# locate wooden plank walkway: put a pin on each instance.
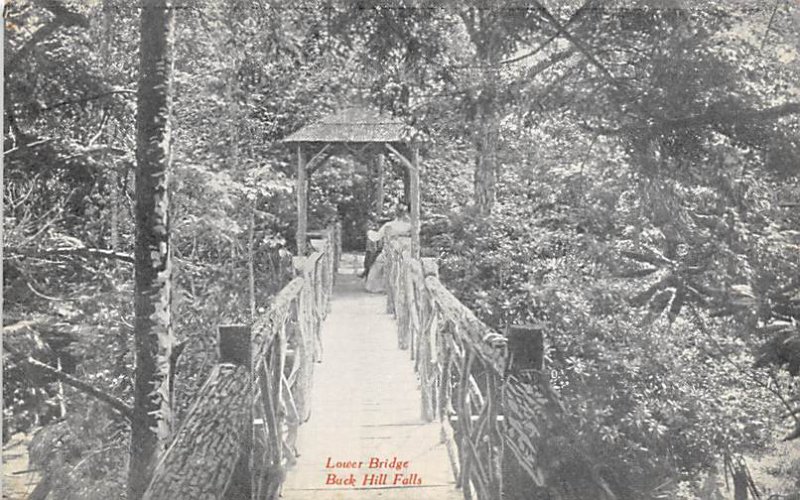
(366, 410)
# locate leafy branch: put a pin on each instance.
(774, 390)
(723, 118)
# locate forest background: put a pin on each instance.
(624, 174)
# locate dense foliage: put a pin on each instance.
(623, 174)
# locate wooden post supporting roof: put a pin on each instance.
(379, 185)
(414, 192)
(302, 202)
(412, 169)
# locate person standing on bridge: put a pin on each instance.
(399, 226)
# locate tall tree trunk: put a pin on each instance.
(485, 176)
(154, 339)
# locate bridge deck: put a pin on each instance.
(365, 407)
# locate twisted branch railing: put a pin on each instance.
(490, 408)
(239, 435)
(460, 363)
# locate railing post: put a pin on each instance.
(219, 419)
(389, 270)
(403, 303)
(337, 246)
(233, 344)
(303, 306)
(427, 358)
(319, 302)
(234, 347)
(302, 353)
(527, 344)
(329, 257)
(520, 471)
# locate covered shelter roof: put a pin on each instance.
(363, 132)
(355, 125)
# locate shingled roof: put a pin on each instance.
(355, 124)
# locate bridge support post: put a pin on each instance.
(337, 247)
(302, 202)
(526, 346)
(301, 314)
(426, 360)
(521, 480)
(234, 346)
(379, 188)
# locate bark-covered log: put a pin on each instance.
(213, 452)
(201, 460)
(264, 328)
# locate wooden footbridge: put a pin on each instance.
(337, 393)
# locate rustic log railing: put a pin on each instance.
(490, 408)
(239, 435)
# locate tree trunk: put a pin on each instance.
(485, 177)
(488, 130)
(740, 483)
(154, 338)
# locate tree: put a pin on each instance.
(154, 338)
(639, 216)
(495, 33)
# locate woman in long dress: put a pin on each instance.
(399, 226)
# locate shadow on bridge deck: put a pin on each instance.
(365, 407)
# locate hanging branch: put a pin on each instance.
(81, 252)
(94, 97)
(63, 18)
(30, 145)
(117, 404)
(561, 29)
(578, 13)
(715, 117)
